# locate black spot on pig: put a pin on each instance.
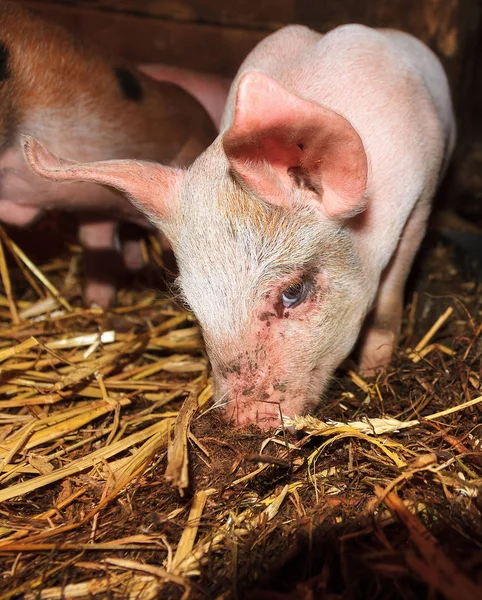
(129, 85)
(248, 391)
(4, 64)
(232, 368)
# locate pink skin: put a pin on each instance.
(330, 152)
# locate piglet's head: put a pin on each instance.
(258, 224)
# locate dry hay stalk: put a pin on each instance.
(97, 404)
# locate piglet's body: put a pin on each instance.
(304, 216)
(86, 107)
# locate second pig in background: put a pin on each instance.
(90, 107)
(298, 226)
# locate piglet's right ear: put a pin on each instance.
(148, 185)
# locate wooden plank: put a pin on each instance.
(242, 13)
(467, 87)
(143, 39)
(436, 22)
(448, 26)
(433, 21)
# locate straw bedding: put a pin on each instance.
(118, 481)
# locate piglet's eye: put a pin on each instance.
(294, 293)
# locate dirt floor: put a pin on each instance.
(118, 481)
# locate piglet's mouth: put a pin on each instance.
(271, 410)
(264, 414)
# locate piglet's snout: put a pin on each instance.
(254, 399)
(266, 413)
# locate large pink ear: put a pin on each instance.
(278, 140)
(148, 185)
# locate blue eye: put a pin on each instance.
(294, 293)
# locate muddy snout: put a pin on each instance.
(248, 394)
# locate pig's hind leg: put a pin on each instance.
(382, 325)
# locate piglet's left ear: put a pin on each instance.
(278, 140)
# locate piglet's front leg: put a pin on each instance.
(383, 324)
(102, 259)
(381, 330)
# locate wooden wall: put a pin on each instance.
(215, 35)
